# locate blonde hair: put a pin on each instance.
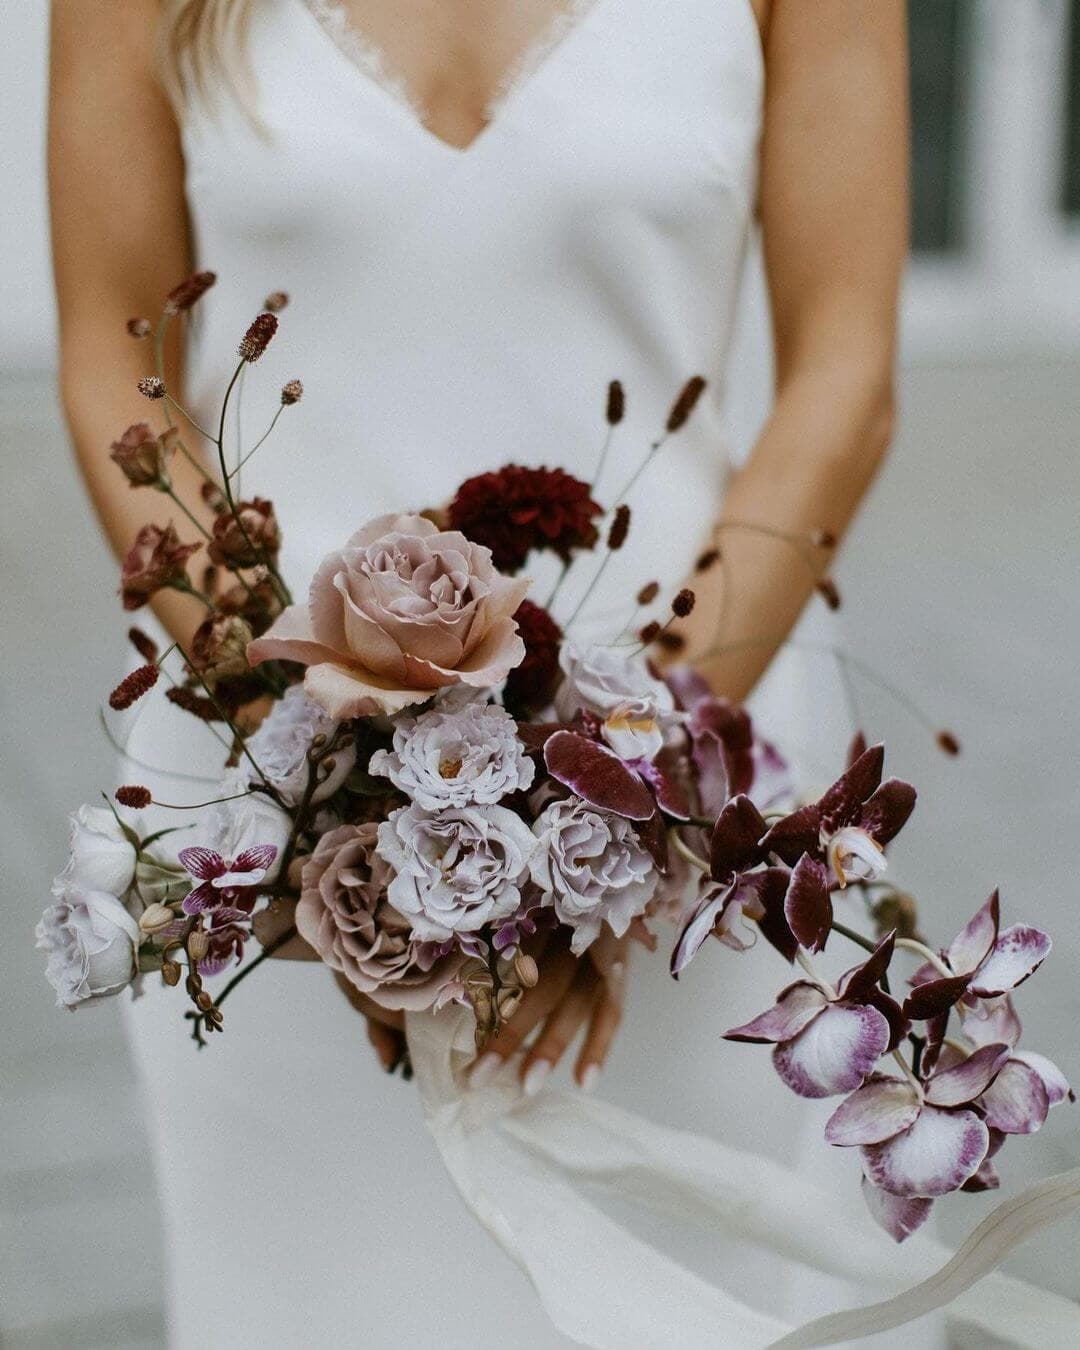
(203, 52)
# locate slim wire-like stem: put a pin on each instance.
(177, 500)
(258, 443)
(172, 402)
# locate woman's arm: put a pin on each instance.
(834, 209)
(120, 242)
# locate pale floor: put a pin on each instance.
(961, 584)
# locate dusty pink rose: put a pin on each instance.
(402, 610)
(343, 912)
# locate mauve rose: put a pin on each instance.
(345, 915)
(156, 559)
(143, 457)
(402, 610)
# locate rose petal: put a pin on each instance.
(875, 1112)
(962, 1083)
(835, 1052)
(347, 691)
(796, 1007)
(597, 775)
(736, 838)
(899, 1217)
(1053, 1080)
(1018, 952)
(290, 638)
(932, 1157)
(807, 906)
(974, 942)
(1017, 1101)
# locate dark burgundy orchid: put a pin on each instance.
(837, 839)
(635, 789)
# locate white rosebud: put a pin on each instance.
(102, 858)
(92, 943)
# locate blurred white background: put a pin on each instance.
(960, 579)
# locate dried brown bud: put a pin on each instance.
(648, 593)
(203, 1000)
(190, 291)
(134, 795)
(649, 632)
(155, 560)
(197, 704)
(198, 944)
(171, 972)
(527, 971)
(276, 301)
(219, 647)
(508, 1002)
(258, 337)
(948, 742)
(684, 603)
(671, 642)
(896, 910)
(292, 393)
(823, 539)
(616, 403)
(829, 592)
(152, 386)
(139, 328)
(143, 644)
(708, 559)
(156, 918)
(143, 458)
(620, 528)
(247, 538)
(685, 404)
(132, 687)
(213, 497)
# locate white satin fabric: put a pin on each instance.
(453, 310)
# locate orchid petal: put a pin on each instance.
(203, 863)
(862, 980)
(669, 794)
(736, 838)
(842, 803)
(973, 943)
(932, 1157)
(252, 859)
(597, 775)
(1053, 1080)
(795, 835)
(875, 1112)
(1017, 1101)
(771, 886)
(795, 1009)
(202, 897)
(886, 813)
(932, 997)
(807, 906)
(835, 1052)
(899, 1217)
(986, 1022)
(698, 925)
(962, 1083)
(1018, 952)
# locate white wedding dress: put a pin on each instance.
(453, 310)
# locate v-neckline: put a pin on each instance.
(368, 63)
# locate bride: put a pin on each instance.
(483, 211)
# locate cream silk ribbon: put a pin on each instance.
(533, 1169)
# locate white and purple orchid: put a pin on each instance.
(838, 839)
(826, 1040)
(225, 883)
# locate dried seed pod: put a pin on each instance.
(683, 604)
(649, 632)
(189, 292)
(258, 337)
(620, 528)
(508, 1002)
(155, 918)
(648, 593)
(708, 559)
(276, 301)
(143, 644)
(170, 973)
(203, 1001)
(527, 971)
(139, 328)
(828, 591)
(686, 402)
(948, 742)
(198, 944)
(291, 393)
(616, 403)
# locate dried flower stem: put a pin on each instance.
(902, 1062)
(159, 364)
(921, 949)
(687, 852)
(174, 403)
(239, 977)
(258, 443)
(172, 493)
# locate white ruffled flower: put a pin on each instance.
(594, 869)
(92, 944)
(602, 681)
(459, 753)
(456, 869)
(281, 744)
(101, 857)
(232, 827)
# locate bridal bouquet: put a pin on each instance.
(440, 777)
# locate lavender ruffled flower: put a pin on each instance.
(281, 744)
(456, 869)
(91, 941)
(461, 752)
(593, 867)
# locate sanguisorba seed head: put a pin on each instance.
(292, 393)
(648, 593)
(616, 403)
(134, 795)
(684, 602)
(132, 687)
(258, 337)
(189, 292)
(685, 404)
(152, 386)
(620, 528)
(139, 328)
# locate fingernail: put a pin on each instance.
(589, 1077)
(534, 1078)
(485, 1069)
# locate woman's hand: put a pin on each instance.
(385, 1029)
(573, 993)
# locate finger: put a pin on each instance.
(561, 1028)
(366, 1008)
(388, 1044)
(533, 1009)
(606, 1017)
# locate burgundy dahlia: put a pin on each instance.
(531, 685)
(517, 510)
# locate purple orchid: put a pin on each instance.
(838, 839)
(738, 892)
(985, 962)
(828, 1041)
(635, 789)
(1027, 1085)
(223, 884)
